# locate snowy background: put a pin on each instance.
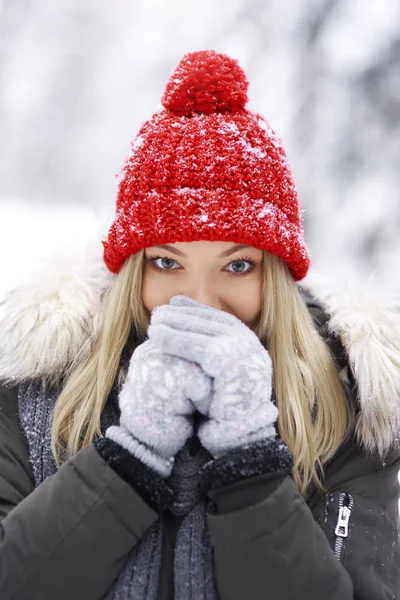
(77, 78)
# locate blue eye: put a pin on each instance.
(167, 263)
(242, 263)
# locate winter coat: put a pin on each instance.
(68, 538)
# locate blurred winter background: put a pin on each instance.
(78, 77)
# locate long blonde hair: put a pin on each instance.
(315, 414)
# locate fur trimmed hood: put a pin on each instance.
(46, 320)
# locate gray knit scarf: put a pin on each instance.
(138, 579)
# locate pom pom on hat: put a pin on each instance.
(206, 82)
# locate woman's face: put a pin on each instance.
(224, 275)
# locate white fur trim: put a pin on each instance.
(366, 318)
(46, 320)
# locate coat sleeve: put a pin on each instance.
(69, 537)
(270, 544)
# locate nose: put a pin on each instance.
(204, 294)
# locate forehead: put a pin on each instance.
(203, 247)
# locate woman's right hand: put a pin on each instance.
(156, 406)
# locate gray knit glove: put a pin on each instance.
(156, 406)
(241, 410)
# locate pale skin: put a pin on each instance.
(197, 270)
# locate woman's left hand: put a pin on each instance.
(241, 410)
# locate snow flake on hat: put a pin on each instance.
(267, 210)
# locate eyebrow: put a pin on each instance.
(225, 253)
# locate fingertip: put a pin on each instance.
(181, 300)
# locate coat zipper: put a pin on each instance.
(346, 505)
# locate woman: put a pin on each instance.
(183, 419)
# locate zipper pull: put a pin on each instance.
(342, 525)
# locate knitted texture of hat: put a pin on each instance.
(206, 168)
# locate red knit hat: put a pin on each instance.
(205, 168)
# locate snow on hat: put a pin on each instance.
(205, 168)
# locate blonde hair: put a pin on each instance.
(315, 414)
